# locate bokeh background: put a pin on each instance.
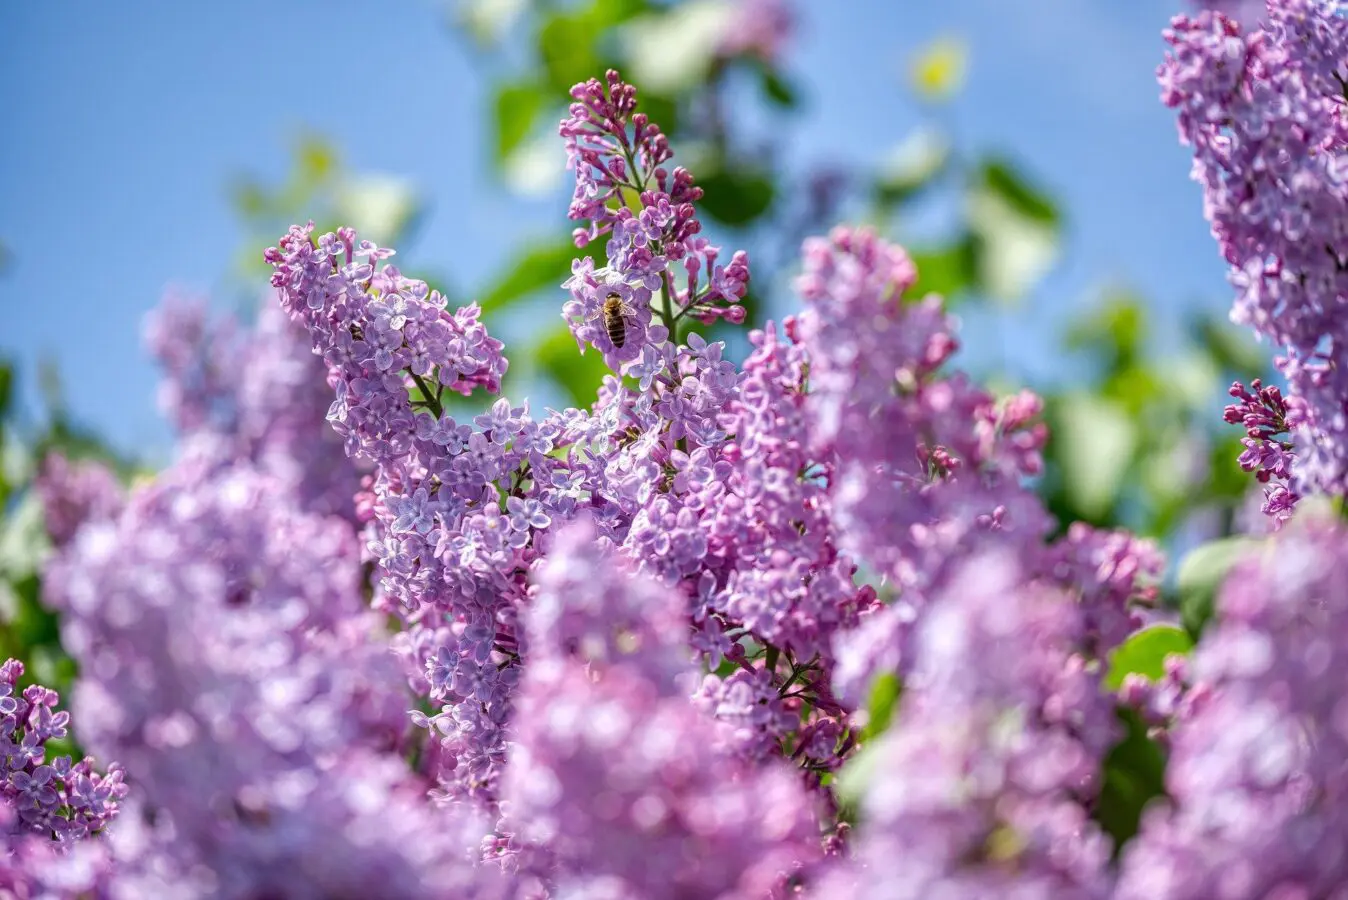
(1019, 150)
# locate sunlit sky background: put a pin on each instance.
(124, 121)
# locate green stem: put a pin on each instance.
(432, 400)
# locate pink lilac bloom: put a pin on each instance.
(1259, 757)
(1263, 112)
(980, 788)
(53, 796)
(250, 694)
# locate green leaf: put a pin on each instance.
(516, 107)
(536, 268)
(912, 166)
(1093, 441)
(566, 49)
(1145, 653)
(579, 375)
(1133, 776)
(1231, 348)
(884, 698)
(948, 271)
(1202, 572)
(6, 386)
(382, 207)
(672, 50)
(737, 196)
(1016, 230)
(856, 775)
(776, 88)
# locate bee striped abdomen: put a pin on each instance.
(615, 319)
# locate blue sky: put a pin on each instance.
(124, 122)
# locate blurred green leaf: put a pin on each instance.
(1201, 573)
(948, 271)
(516, 106)
(1016, 229)
(1114, 331)
(1093, 441)
(6, 386)
(382, 207)
(855, 776)
(315, 158)
(23, 539)
(1145, 652)
(579, 375)
(1134, 775)
(737, 196)
(775, 86)
(913, 165)
(884, 698)
(672, 50)
(249, 199)
(534, 269)
(566, 49)
(1232, 348)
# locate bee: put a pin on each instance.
(615, 313)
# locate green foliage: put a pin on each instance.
(540, 266)
(1201, 574)
(884, 699)
(737, 194)
(579, 376)
(1016, 228)
(1096, 440)
(1145, 653)
(1133, 776)
(516, 106)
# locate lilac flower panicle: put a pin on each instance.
(73, 492)
(248, 692)
(1268, 417)
(979, 787)
(1263, 112)
(1257, 767)
(54, 798)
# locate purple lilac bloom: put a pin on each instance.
(1268, 418)
(615, 772)
(251, 697)
(979, 788)
(73, 492)
(55, 798)
(1259, 761)
(253, 393)
(659, 266)
(1263, 112)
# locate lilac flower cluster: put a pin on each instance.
(1259, 764)
(249, 692)
(58, 798)
(1263, 112)
(253, 394)
(614, 771)
(627, 650)
(1267, 417)
(981, 788)
(73, 492)
(658, 262)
